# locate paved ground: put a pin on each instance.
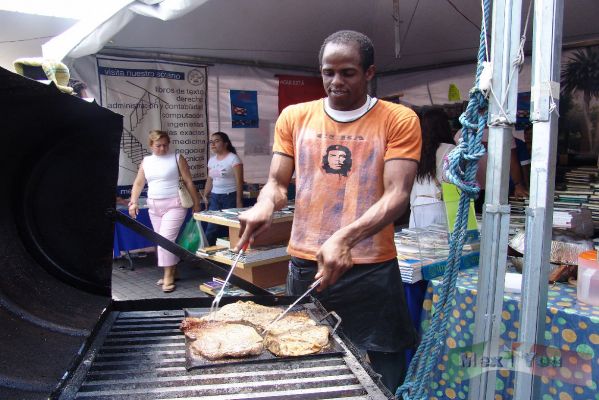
(140, 283)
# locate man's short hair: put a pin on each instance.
(364, 43)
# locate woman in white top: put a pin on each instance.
(224, 186)
(162, 170)
(425, 199)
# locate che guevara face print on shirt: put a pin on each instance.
(337, 160)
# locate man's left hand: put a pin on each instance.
(334, 259)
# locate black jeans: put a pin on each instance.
(370, 300)
(391, 366)
(219, 202)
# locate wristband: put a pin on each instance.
(132, 204)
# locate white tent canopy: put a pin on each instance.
(268, 37)
(289, 32)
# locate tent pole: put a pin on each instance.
(496, 213)
(546, 63)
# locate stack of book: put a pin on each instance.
(210, 250)
(578, 187)
(564, 217)
(223, 242)
(575, 189)
(255, 254)
(213, 286)
(517, 214)
(231, 215)
(422, 253)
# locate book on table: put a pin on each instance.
(422, 253)
(210, 250)
(212, 287)
(255, 254)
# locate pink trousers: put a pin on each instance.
(167, 216)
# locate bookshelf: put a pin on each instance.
(266, 262)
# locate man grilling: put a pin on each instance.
(343, 224)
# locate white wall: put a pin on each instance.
(222, 79)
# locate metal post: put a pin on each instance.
(493, 252)
(546, 63)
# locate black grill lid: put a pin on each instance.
(59, 171)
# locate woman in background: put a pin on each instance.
(224, 186)
(426, 197)
(162, 170)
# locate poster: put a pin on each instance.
(244, 109)
(156, 95)
(295, 89)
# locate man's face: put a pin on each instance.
(343, 78)
(336, 159)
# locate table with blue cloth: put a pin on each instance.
(126, 240)
(566, 362)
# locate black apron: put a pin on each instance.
(370, 300)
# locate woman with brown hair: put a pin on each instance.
(425, 198)
(224, 186)
(162, 170)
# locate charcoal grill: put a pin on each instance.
(61, 335)
(142, 356)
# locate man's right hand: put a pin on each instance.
(253, 222)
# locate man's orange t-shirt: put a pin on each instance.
(339, 171)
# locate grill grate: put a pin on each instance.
(142, 356)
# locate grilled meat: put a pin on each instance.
(217, 340)
(235, 331)
(189, 325)
(247, 313)
(296, 335)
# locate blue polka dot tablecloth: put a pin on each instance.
(566, 362)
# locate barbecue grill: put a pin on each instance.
(62, 336)
(141, 355)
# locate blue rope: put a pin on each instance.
(460, 165)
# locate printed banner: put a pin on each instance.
(298, 89)
(156, 95)
(244, 109)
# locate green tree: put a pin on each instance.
(581, 73)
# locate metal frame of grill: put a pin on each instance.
(141, 355)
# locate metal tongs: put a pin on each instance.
(280, 317)
(221, 292)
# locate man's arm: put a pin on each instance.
(273, 197)
(334, 256)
